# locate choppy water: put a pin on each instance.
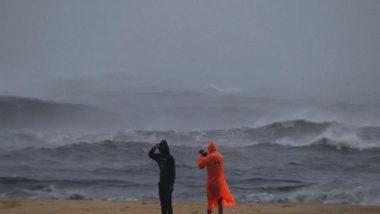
(293, 161)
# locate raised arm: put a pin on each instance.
(153, 155)
(202, 161)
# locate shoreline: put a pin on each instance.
(180, 207)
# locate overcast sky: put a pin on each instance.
(297, 45)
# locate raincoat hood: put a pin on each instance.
(164, 148)
(211, 147)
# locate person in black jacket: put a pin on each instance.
(166, 163)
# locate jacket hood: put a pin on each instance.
(211, 146)
(164, 148)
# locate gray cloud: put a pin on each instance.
(298, 47)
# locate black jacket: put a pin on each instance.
(166, 163)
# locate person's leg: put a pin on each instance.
(169, 201)
(161, 193)
(209, 211)
(220, 206)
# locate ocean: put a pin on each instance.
(287, 161)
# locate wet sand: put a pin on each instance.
(146, 207)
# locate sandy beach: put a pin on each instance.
(145, 207)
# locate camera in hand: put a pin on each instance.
(203, 153)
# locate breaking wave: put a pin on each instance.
(289, 133)
(291, 161)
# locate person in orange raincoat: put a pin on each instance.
(218, 193)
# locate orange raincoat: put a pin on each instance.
(217, 188)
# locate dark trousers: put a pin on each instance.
(165, 193)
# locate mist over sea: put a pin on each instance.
(94, 145)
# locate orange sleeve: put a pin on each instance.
(202, 161)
